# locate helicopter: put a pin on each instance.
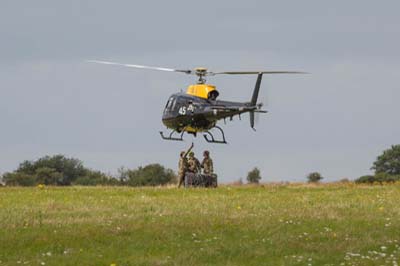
(198, 110)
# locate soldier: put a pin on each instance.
(183, 165)
(207, 164)
(193, 164)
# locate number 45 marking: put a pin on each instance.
(182, 110)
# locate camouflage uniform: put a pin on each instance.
(207, 165)
(193, 165)
(208, 170)
(183, 166)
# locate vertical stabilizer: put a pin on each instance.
(256, 90)
(254, 98)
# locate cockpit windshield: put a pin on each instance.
(169, 103)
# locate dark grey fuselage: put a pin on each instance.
(184, 112)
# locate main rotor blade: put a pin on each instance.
(203, 72)
(188, 71)
(258, 72)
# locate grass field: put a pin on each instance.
(334, 224)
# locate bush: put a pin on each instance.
(48, 176)
(314, 177)
(150, 175)
(366, 179)
(386, 178)
(378, 178)
(19, 179)
(254, 176)
(69, 169)
(59, 170)
(94, 178)
(55, 170)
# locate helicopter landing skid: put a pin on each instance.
(212, 139)
(170, 137)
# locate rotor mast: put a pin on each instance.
(201, 72)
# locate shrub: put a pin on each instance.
(378, 178)
(94, 178)
(59, 170)
(150, 175)
(48, 176)
(386, 178)
(87, 181)
(69, 168)
(314, 177)
(19, 179)
(366, 179)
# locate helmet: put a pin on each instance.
(191, 154)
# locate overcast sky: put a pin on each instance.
(335, 121)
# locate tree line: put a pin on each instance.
(386, 168)
(59, 170)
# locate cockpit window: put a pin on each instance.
(169, 103)
(173, 104)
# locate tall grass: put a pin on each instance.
(278, 224)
